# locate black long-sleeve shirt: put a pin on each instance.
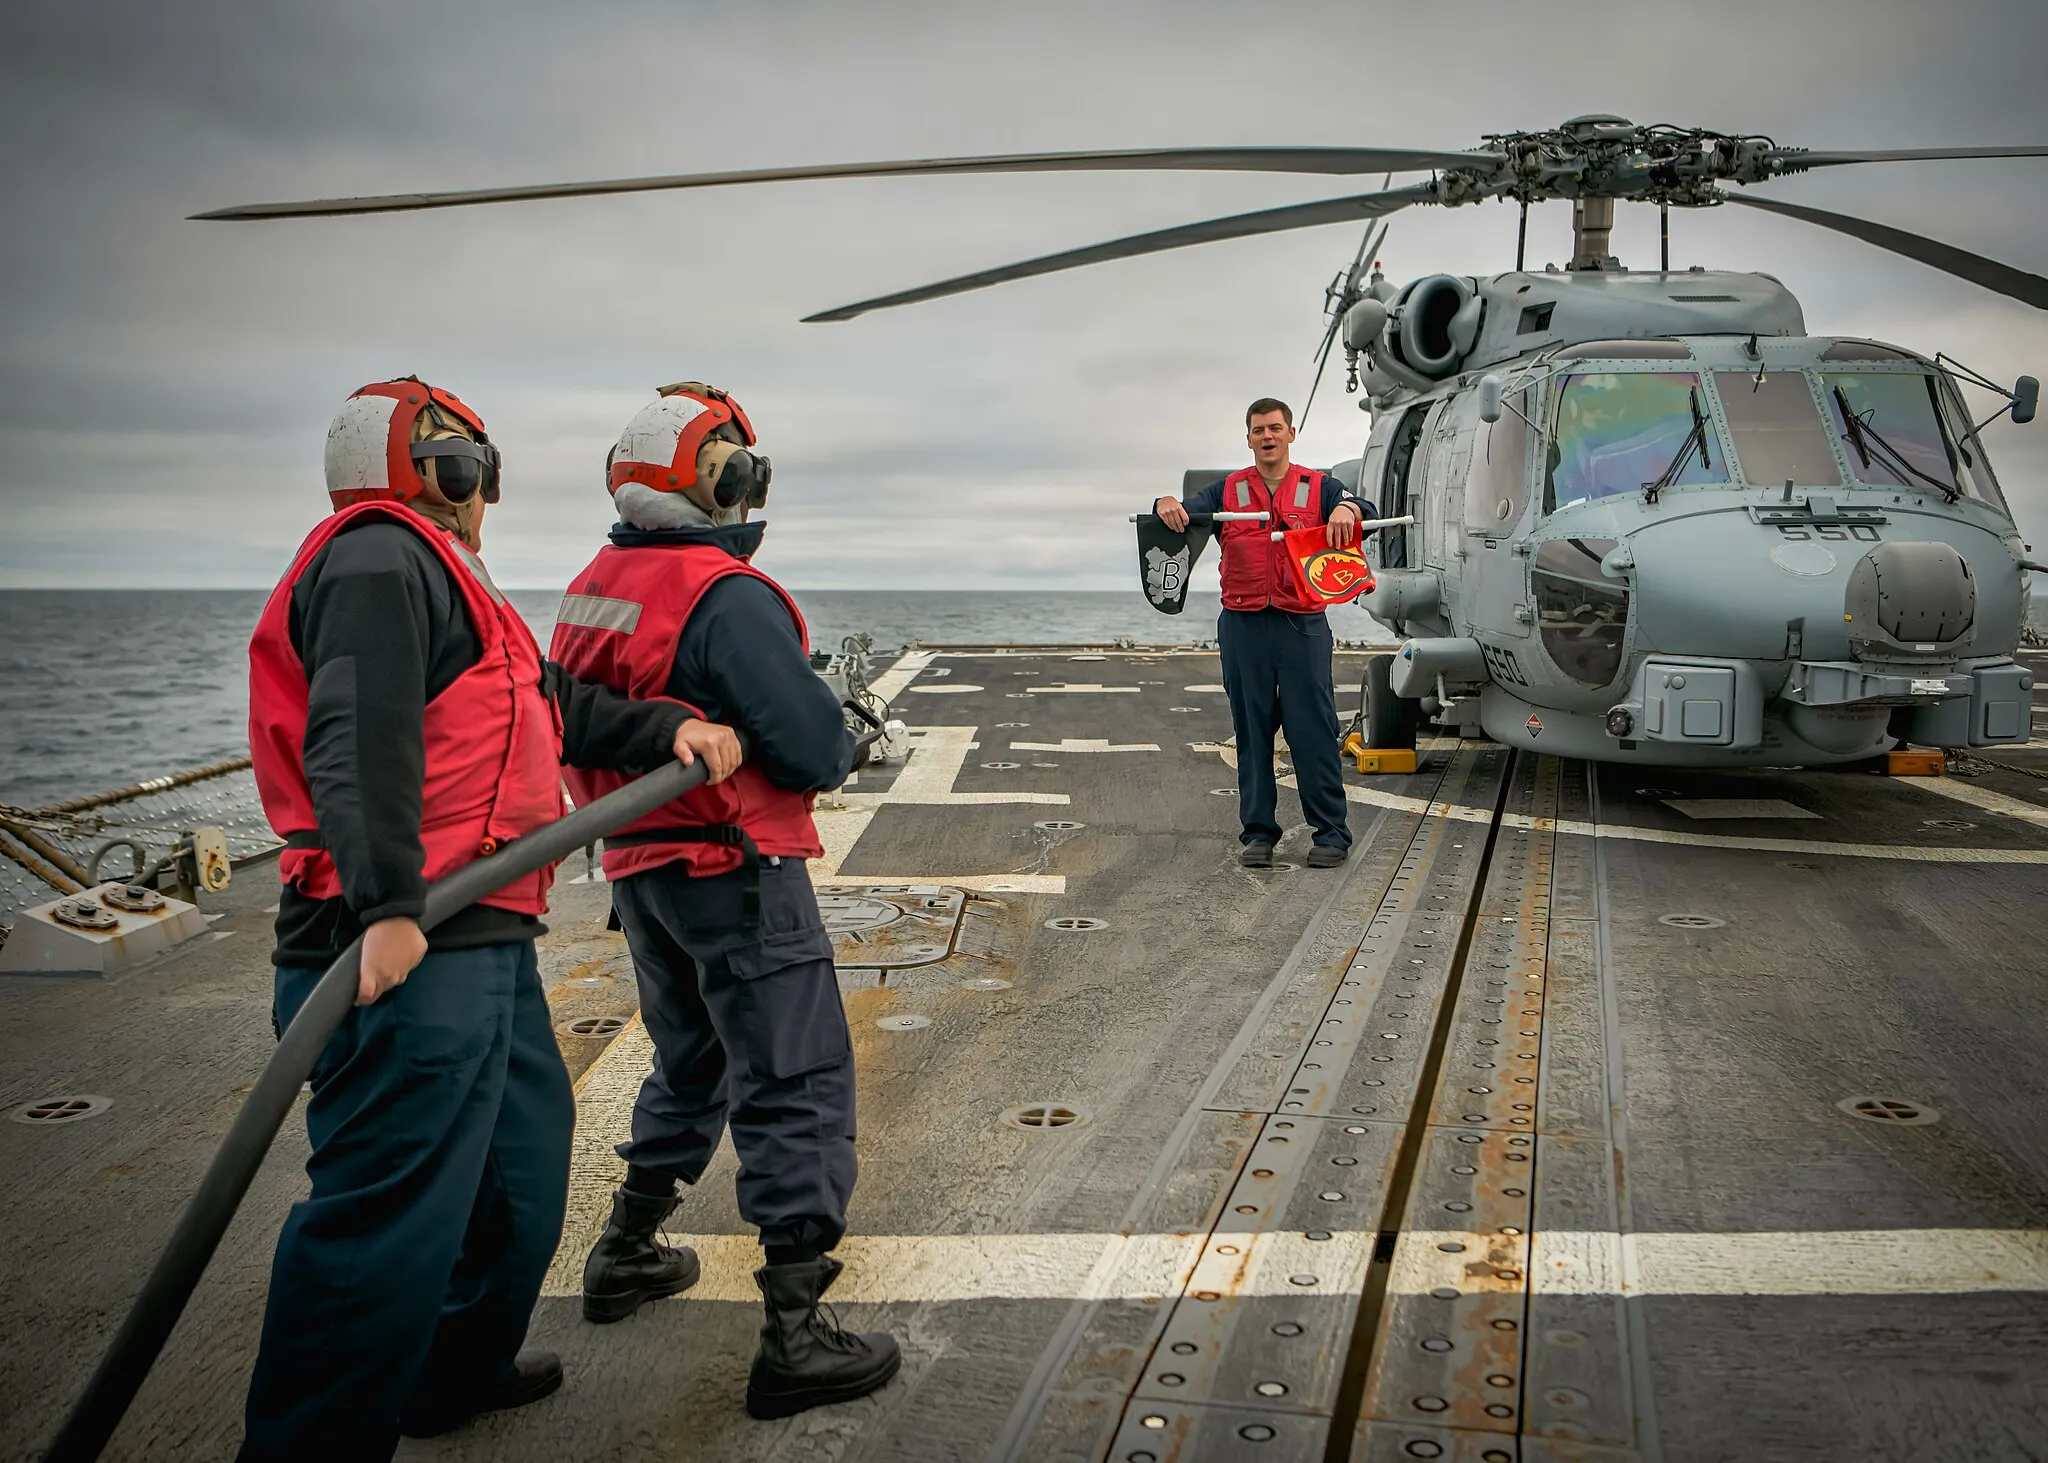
(739, 661)
(382, 629)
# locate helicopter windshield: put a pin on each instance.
(1620, 432)
(1891, 424)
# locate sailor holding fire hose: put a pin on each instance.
(737, 986)
(403, 724)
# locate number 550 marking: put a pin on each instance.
(1833, 532)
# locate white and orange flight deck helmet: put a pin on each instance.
(691, 446)
(392, 440)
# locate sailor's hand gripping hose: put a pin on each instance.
(170, 1284)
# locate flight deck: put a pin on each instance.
(1587, 1113)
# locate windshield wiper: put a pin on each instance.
(1862, 435)
(1695, 439)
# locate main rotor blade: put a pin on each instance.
(1801, 160)
(1236, 226)
(1340, 160)
(2030, 289)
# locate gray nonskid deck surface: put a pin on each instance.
(1548, 1017)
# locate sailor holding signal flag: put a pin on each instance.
(403, 724)
(1275, 639)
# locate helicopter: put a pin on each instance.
(1654, 520)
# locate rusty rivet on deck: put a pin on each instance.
(1500, 1379)
(1262, 1173)
(1257, 1432)
(1436, 1343)
(1500, 1409)
(1458, 1206)
(1154, 1421)
(1247, 1208)
(1424, 1448)
(1271, 1389)
(1496, 1455)
(1315, 1234)
(1287, 1328)
(1344, 1162)
(1451, 1247)
(1354, 1127)
(1171, 1379)
(1301, 1280)
(1431, 1404)
(1503, 1325)
(1514, 1193)
(1463, 1168)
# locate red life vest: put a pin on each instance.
(618, 625)
(493, 737)
(1255, 572)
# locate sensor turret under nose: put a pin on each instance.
(1910, 599)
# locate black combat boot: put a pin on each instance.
(629, 1265)
(805, 1360)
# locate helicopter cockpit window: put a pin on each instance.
(1581, 612)
(1891, 424)
(1777, 431)
(1499, 484)
(1621, 432)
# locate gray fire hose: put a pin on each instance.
(170, 1284)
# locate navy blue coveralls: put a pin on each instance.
(747, 1023)
(1276, 672)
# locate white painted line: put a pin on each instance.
(952, 1268)
(1217, 689)
(937, 753)
(951, 688)
(1577, 828)
(1084, 744)
(1083, 688)
(982, 883)
(1843, 1262)
(1737, 808)
(1980, 797)
(890, 683)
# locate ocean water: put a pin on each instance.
(101, 688)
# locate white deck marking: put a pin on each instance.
(1737, 808)
(1980, 797)
(1373, 797)
(890, 683)
(1842, 1262)
(1084, 744)
(940, 1268)
(937, 754)
(1217, 689)
(1081, 688)
(951, 688)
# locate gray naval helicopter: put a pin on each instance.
(1655, 520)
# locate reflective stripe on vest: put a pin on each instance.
(598, 613)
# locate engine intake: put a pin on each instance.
(1434, 324)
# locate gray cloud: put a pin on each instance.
(164, 385)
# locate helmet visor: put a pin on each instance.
(459, 469)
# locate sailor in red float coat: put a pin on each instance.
(737, 985)
(402, 723)
(1276, 647)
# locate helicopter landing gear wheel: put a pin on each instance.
(1386, 720)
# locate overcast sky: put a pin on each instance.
(167, 384)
